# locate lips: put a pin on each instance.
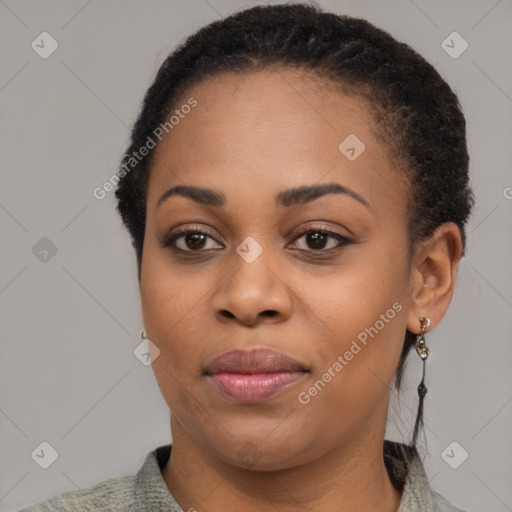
(253, 361)
(255, 375)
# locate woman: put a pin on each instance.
(296, 189)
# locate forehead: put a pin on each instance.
(264, 131)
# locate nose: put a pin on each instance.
(252, 293)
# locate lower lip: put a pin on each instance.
(254, 387)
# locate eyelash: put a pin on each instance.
(170, 239)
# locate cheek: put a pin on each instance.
(350, 298)
(168, 291)
(364, 312)
(174, 303)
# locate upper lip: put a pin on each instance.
(253, 361)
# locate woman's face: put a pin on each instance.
(253, 278)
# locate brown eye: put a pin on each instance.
(191, 240)
(317, 239)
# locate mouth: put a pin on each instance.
(255, 375)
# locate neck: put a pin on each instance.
(353, 476)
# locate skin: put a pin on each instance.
(250, 137)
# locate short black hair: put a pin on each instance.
(417, 114)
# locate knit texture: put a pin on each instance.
(148, 492)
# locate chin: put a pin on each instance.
(260, 453)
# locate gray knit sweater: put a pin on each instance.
(148, 492)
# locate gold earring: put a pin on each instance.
(143, 335)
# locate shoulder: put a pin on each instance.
(406, 470)
(146, 491)
(442, 504)
(114, 495)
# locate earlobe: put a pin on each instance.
(434, 271)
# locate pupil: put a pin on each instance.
(317, 238)
(197, 240)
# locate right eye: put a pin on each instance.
(189, 240)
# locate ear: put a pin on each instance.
(433, 273)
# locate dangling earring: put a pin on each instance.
(423, 352)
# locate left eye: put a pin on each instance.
(316, 239)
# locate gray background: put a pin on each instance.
(69, 325)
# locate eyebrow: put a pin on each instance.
(286, 198)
